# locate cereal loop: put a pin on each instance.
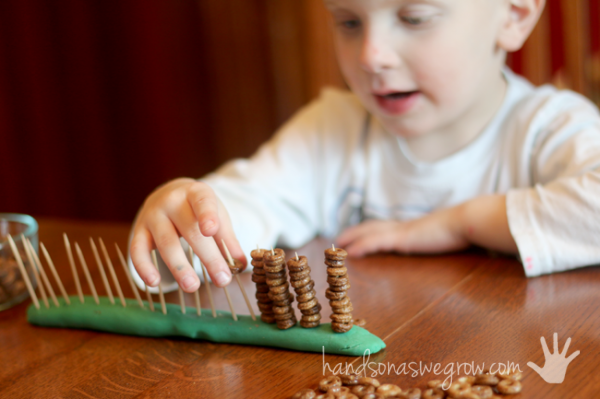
(314, 310)
(467, 379)
(325, 396)
(434, 394)
(341, 318)
(482, 391)
(308, 287)
(335, 254)
(362, 390)
(389, 390)
(413, 393)
(487, 379)
(349, 379)
(308, 305)
(305, 394)
(459, 389)
(338, 391)
(341, 327)
(332, 381)
(509, 387)
(369, 381)
(237, 267)
(334, 296)
(517, 376)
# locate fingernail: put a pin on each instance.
(222, 278)
(208, 225)
(188, 282)
(153, 280)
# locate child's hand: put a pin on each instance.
(480, 221)
(188, 208)
(436, 232)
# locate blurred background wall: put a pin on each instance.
(102, 101)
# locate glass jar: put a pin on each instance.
(12, 285)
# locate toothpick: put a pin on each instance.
(160, 291)
(111, 269)
(237, 277)
(38, 279)
(233, 315)
(297, 258)
(129, 278)
(43, 274)
(55, 274)
(86, 271)
(102, 272)
(13, 246)
(73, 268)
(333, 246)
(272, 251)
(149, 298)
(210, 297)
(227, 253)
(197, 292)
(181, 299)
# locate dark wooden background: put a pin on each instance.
(102, 101)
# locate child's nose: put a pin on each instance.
(378, 55)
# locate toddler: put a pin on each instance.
(438, 147)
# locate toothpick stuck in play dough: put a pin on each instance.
(86, 271)
(208, 289)
(197, 292)
(129, 278)
(231, 263)
(111, 270)
(73, 268)
(55, 274)
(161, 296)
(36, 259)
(102, 272)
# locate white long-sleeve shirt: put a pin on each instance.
(332, 166)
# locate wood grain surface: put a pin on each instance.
(453, 309)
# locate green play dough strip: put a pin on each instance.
(132, 320)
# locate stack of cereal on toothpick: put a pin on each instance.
(274, 265)
(305, 293)
(337, 277)
(265, 304)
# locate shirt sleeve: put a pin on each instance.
(555, 217)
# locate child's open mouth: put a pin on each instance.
(397, 102)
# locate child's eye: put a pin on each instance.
(414, 20)
(419, 16)
(350, 24)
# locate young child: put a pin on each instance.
(438, 147)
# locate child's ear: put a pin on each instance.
(521, 18)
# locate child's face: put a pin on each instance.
(422, 66)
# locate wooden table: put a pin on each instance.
(462, 308)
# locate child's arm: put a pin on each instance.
(191, 209)
(481, 221)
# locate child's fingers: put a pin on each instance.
(227, 234)
(205, 206)
(141, 245)
(204, 247)
(167, 242)
(368, 244)
(355, 232)
(210, 255)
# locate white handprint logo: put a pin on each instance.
(556, 365)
